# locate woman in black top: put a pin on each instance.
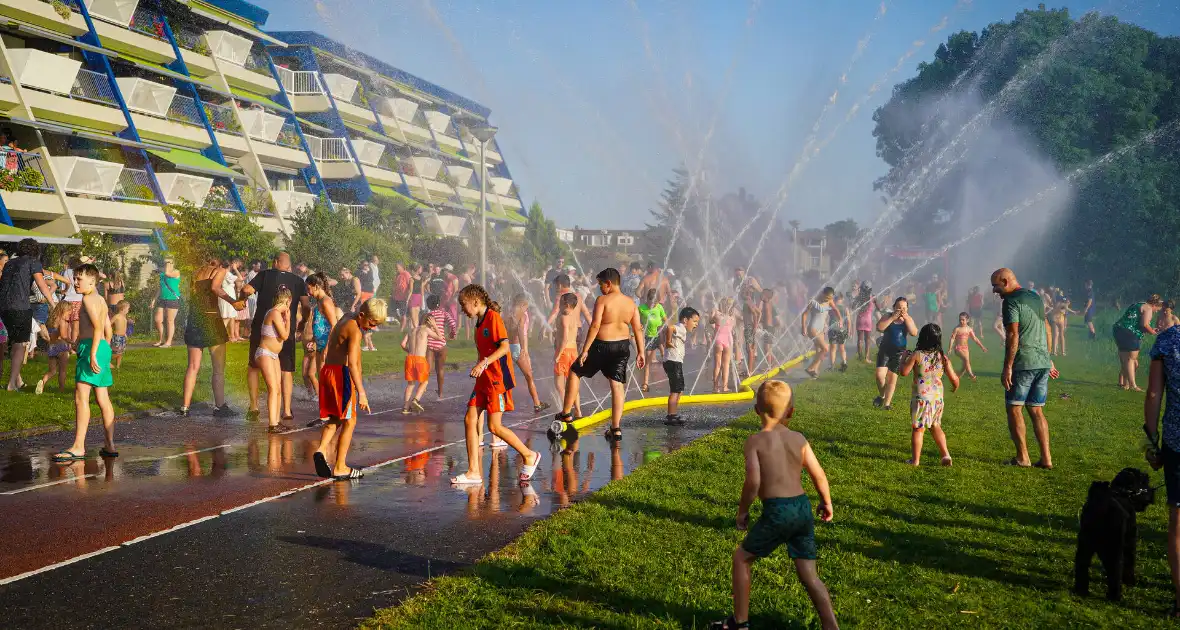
(204, 329)
(116, 288)
(347, 292)
(16, 311)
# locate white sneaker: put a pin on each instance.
(498, 443)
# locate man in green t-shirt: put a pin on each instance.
(1027, 366)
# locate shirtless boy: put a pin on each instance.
(565, 345)
(563, 288)
(775, 456)
(119, 325)
(607, 349)
(417, 371)
(93, 370)
(342, 390)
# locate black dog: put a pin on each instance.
(1108, 529)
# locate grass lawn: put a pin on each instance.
(976, 545)
(151, 378)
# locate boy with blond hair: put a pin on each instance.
(775, 458)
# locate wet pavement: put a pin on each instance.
(199, 510)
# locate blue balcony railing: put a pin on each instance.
(27, 170)
(134, 185)
(184, 110)
(94, 87)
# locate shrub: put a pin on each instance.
(197, 234)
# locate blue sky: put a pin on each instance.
(598, 100)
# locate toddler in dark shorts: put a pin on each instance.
(781, 455)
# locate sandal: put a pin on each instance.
(645, 389)
(1043, 465)
(614, 433)
(103, 452)
(674, 420)
(67, 456)
(729, 624)
(527, 471)
(541, 407)
(910, 462)
(278, 428)
(353, 473)
(322, 469)
(946, 461)
(1013, 462)
(464, 480)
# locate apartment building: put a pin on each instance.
(113, 109)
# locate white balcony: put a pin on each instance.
(438, 121)
(86, 176)
(500, 185)
(146, 96)
(462, 174)
(178, 186)
(229, 46)
(261, 124)
(400, 108)
(367, 151)
(288, 202)
(43, 70)
(113, 11)
(426, 166)
(342, 88)
(444, 225)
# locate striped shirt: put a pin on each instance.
(446, 325)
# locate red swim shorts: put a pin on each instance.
(493, 401)
(564, 361)
(337, 398)
(416, 369)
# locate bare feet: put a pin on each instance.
(1044, 464)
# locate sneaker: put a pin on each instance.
(224, 411)
(40, 387)
(498, 443)
(878, 401)
(183, 411)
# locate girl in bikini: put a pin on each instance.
(723, 323)
(960, 337)
(276, 326)
(1058, 324)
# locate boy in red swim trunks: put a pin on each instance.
(417, 371)
(342, 391)
(565, 345)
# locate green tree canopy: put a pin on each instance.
(199, 234)
(326, 241)
(1077, 89)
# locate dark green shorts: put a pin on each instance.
(784, 520)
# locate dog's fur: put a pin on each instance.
(1108, 529)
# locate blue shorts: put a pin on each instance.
(1030, 388)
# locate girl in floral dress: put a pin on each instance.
(929, 363)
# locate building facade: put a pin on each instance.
(116, 108)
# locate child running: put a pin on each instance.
(436, 347)
(494, 381)
(58, 346)
(518, 344)
(565, 346)
(775, 458)
(417, 371)
(119, 323)
(928, 363)
(607, 348)
(342, 390)
(960, 337)
(723, 325)
(674, 339)
(651, 317)
(93, 370)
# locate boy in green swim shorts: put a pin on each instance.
(775, 457)
(93, 371)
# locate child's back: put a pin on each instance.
(416, 346)
(566, 330)
(119, 324)
(617, 312)
(779, 452)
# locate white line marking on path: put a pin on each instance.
(57, 565)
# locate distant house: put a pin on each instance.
(811, 251)
(620, 241)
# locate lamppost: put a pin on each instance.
(484, 133)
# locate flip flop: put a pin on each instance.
(614, 433)
(103, 452)
(541, 407)
(946, 461)
(527, 471)
(322, 469)
(353, 473)
(67, 456)
(1013, 462)
(464, 480)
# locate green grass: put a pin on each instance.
(976, 545)
(151, 378)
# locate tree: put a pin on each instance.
(540, 245)
(840, 235)
(198, 234)
(396, 218)
(1076, 90)
(326, 241)
(442, 250)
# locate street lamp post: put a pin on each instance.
(484, 133)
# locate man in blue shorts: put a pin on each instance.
(1027, 366)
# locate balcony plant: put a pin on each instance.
(62, 9)
(201, 48)
(288, 137)
(406, 168)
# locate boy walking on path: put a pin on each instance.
(608, 349)
(565, 346)
(342, 390)
(775, 457)
(94, 367)
(417, 371)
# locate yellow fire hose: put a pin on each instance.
(746, 392)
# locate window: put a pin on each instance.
(597, 240)
(814, 261)
(626, 239)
